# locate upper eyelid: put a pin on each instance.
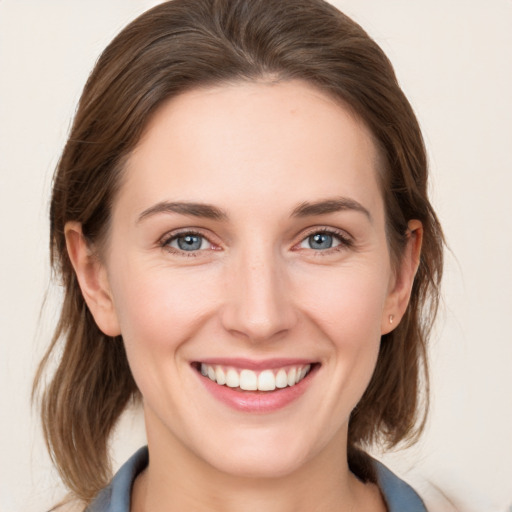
(164, 243)
(340, 233)
(171, 235)
(345, 239)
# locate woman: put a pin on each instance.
(241, 222)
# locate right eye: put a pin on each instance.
(188, 242)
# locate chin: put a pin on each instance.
(262, 455)
(260, 465)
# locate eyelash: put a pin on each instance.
(167, 239)
(345, 242)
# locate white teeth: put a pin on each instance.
(232, 378)
(291, 376)
(249, 380)
(266, 381)
(281, 379)
(220, 376)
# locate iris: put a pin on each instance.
(320, 241)
(190, 242)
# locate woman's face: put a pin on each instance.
(248, 241)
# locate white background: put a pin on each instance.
(454, 61)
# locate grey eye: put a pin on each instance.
(189, 242)
(320, 242)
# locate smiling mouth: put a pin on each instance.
(266, 380)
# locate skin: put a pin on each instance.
(256, 289)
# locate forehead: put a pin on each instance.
(268, 142)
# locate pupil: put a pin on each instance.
(320, 241)
(189, 242)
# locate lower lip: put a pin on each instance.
(258, 401)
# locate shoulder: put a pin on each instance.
(116, 497)
(435, 498)
(397, 493)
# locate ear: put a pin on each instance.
(92, 278)
(401, 286)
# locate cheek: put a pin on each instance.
(159, 314)
(348, 300)
(159, 309)
(348, 311)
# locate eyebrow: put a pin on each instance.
(209, 211)
(326, 206)
(202, 210)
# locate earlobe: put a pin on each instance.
(398, 298)
(92, 278)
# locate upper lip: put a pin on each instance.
(252, 364)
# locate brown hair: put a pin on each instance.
(177, 46)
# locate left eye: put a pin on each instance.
(320, 241)
(189, 242)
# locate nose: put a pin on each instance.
(259, 305)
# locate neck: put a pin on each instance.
(177, 480)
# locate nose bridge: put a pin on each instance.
(259, 305)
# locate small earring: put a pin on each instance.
(391, 319)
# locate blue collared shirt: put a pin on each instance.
(399, 496)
